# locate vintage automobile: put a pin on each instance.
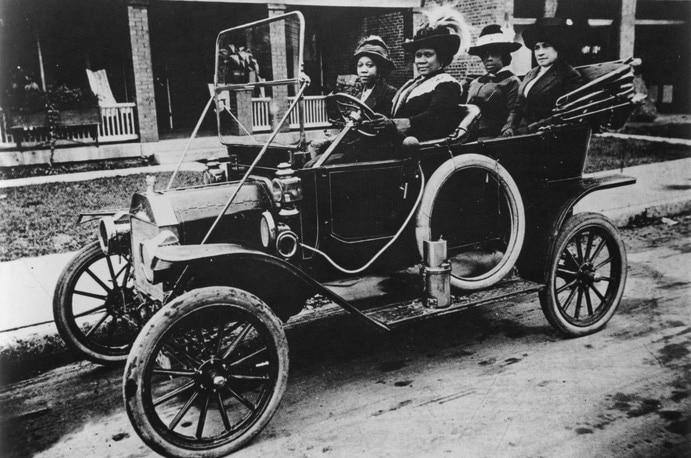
(194, 286)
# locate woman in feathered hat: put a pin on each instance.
(495, 92)
(426, 107)
(553, 77)
(372, 64)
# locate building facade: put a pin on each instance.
(159, 54)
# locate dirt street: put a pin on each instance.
(494, 381)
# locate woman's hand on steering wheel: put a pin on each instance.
(380, 123)
(352, 109)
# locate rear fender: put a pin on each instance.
(282, 286)
(558, 199)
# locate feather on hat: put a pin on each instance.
(445, 31)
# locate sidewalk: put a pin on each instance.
(27, 285)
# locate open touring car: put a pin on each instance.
(193, 286)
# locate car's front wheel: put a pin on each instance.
(206, 374)
(95, 308)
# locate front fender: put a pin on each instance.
(85, 217)
(281, 285)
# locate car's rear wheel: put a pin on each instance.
(585, 275)
(206, 374)
(94, 306)
(472, 202)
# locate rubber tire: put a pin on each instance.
(141, 355)
(65, 323)
(423, 230)
(571, 227)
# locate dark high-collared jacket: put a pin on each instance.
(497, 97)
(431, 104)
(557, 81)
(379, 100)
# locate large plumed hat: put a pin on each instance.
(552, 30)
(493, 38)
(375, 47)
(444, 30)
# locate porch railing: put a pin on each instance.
(315, 113)
(117, 124)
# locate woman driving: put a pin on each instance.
(426, 107)
(373, 65)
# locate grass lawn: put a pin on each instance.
(41, 219)
(617, 153)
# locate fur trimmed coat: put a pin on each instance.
(431, 104)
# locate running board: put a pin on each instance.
(393, 315)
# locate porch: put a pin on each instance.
(118, 137)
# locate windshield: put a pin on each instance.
(257, 69)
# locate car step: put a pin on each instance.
(396, 314)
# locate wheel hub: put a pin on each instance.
(587, 274)
(212, 375)
(119, 300)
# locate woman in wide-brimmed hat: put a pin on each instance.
(426, 107)
(548, 38)
(372, 64)
(495, 92)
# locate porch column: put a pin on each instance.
(138, 17)
(279, 64)
(627, 28)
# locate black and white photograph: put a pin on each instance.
(355, 228)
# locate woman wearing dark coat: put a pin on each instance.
(372, 65)
(495, 92)
(552, 78)
(426, 107)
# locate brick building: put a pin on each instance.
(159, 54)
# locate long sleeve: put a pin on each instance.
(384, 105)
(541, 99)
(513, 106)
(441, 116)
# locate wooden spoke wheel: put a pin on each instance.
(585, 275)
(206, 374)
(95, 308)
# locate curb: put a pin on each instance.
(30, 350)
(84, 176)
(637, 213)
(27, 351)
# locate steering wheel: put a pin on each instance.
(346, 108)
